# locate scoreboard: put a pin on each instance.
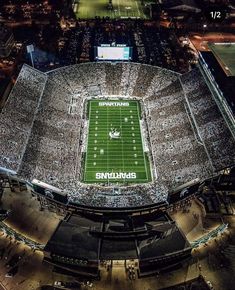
(115, 53)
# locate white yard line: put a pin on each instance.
(137, 6)
(120, 111)
(119, 11)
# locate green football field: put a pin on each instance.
(225, 53)
(89, 9)
(114, 147)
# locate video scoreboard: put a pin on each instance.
(117, 52)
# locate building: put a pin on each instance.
(217, 67)
(150, 243)
(6, 41)
(181, 6)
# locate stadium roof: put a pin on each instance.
(131, 237)
(185, 5)
(73, 239)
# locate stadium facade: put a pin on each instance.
(152, 242)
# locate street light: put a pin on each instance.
(204, 28)
(30, 50)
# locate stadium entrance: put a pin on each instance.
(118, 268)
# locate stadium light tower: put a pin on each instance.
(30, 50)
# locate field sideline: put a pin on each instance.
(115, 150)
(89, 9)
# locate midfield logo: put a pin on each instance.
(114, 134)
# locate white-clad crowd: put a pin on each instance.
(42, 127)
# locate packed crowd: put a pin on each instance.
(45, 132)
(52, 150)
(211, 125)
(129, 196)
(179, 158)
(151, 45)
(17, 116)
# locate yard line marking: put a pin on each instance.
(137, 6)
(120, 114)
(119, 8)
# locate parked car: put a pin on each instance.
(60, 284)
(210, 285)
(12, 272)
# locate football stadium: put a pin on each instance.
(113, 134)
(89, 9)
(112, 150)
(224, 52)
(117, 145)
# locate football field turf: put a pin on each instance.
(114, 150)
(89, 9)
(225, 54)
